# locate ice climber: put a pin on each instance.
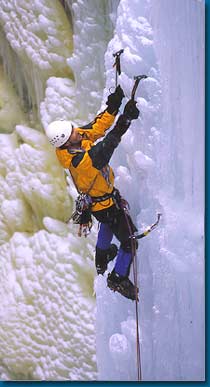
(93, 177)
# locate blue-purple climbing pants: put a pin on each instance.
(113, 222)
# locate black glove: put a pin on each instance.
(114, 100)
(130, 110)
(85, 217)
(121, 126)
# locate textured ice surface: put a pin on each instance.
(37, 37)
(47, 308)
(48, 328)
(160, 168)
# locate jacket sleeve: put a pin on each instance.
(64, 157)
(102, 152)
(99, 155)
(98, 126)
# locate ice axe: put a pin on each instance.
(117, 63)
(137, 79)
(148, 230)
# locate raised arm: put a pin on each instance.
(103, 121)
(101, 153)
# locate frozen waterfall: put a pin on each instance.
(169, 39)
(58, 321)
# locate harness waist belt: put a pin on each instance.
(98, 199)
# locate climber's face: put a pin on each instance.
(75, 137)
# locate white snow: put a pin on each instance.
(49, 329)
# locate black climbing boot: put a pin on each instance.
(103, 257)
(122, 285)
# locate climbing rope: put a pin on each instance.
(135, 275)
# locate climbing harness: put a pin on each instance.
(84, 202)
(82, 214)
(117, 64)
(98, 199)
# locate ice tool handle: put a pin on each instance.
(149, 229)
(137, 79)
(117, 63)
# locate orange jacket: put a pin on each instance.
(86, 177)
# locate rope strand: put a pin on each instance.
(135, 274)
(134, 259)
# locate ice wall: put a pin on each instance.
(180, 49)
(37, 38)
(48, 307)
(47, 329)
(161, 169)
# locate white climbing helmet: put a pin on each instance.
(58, 132)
